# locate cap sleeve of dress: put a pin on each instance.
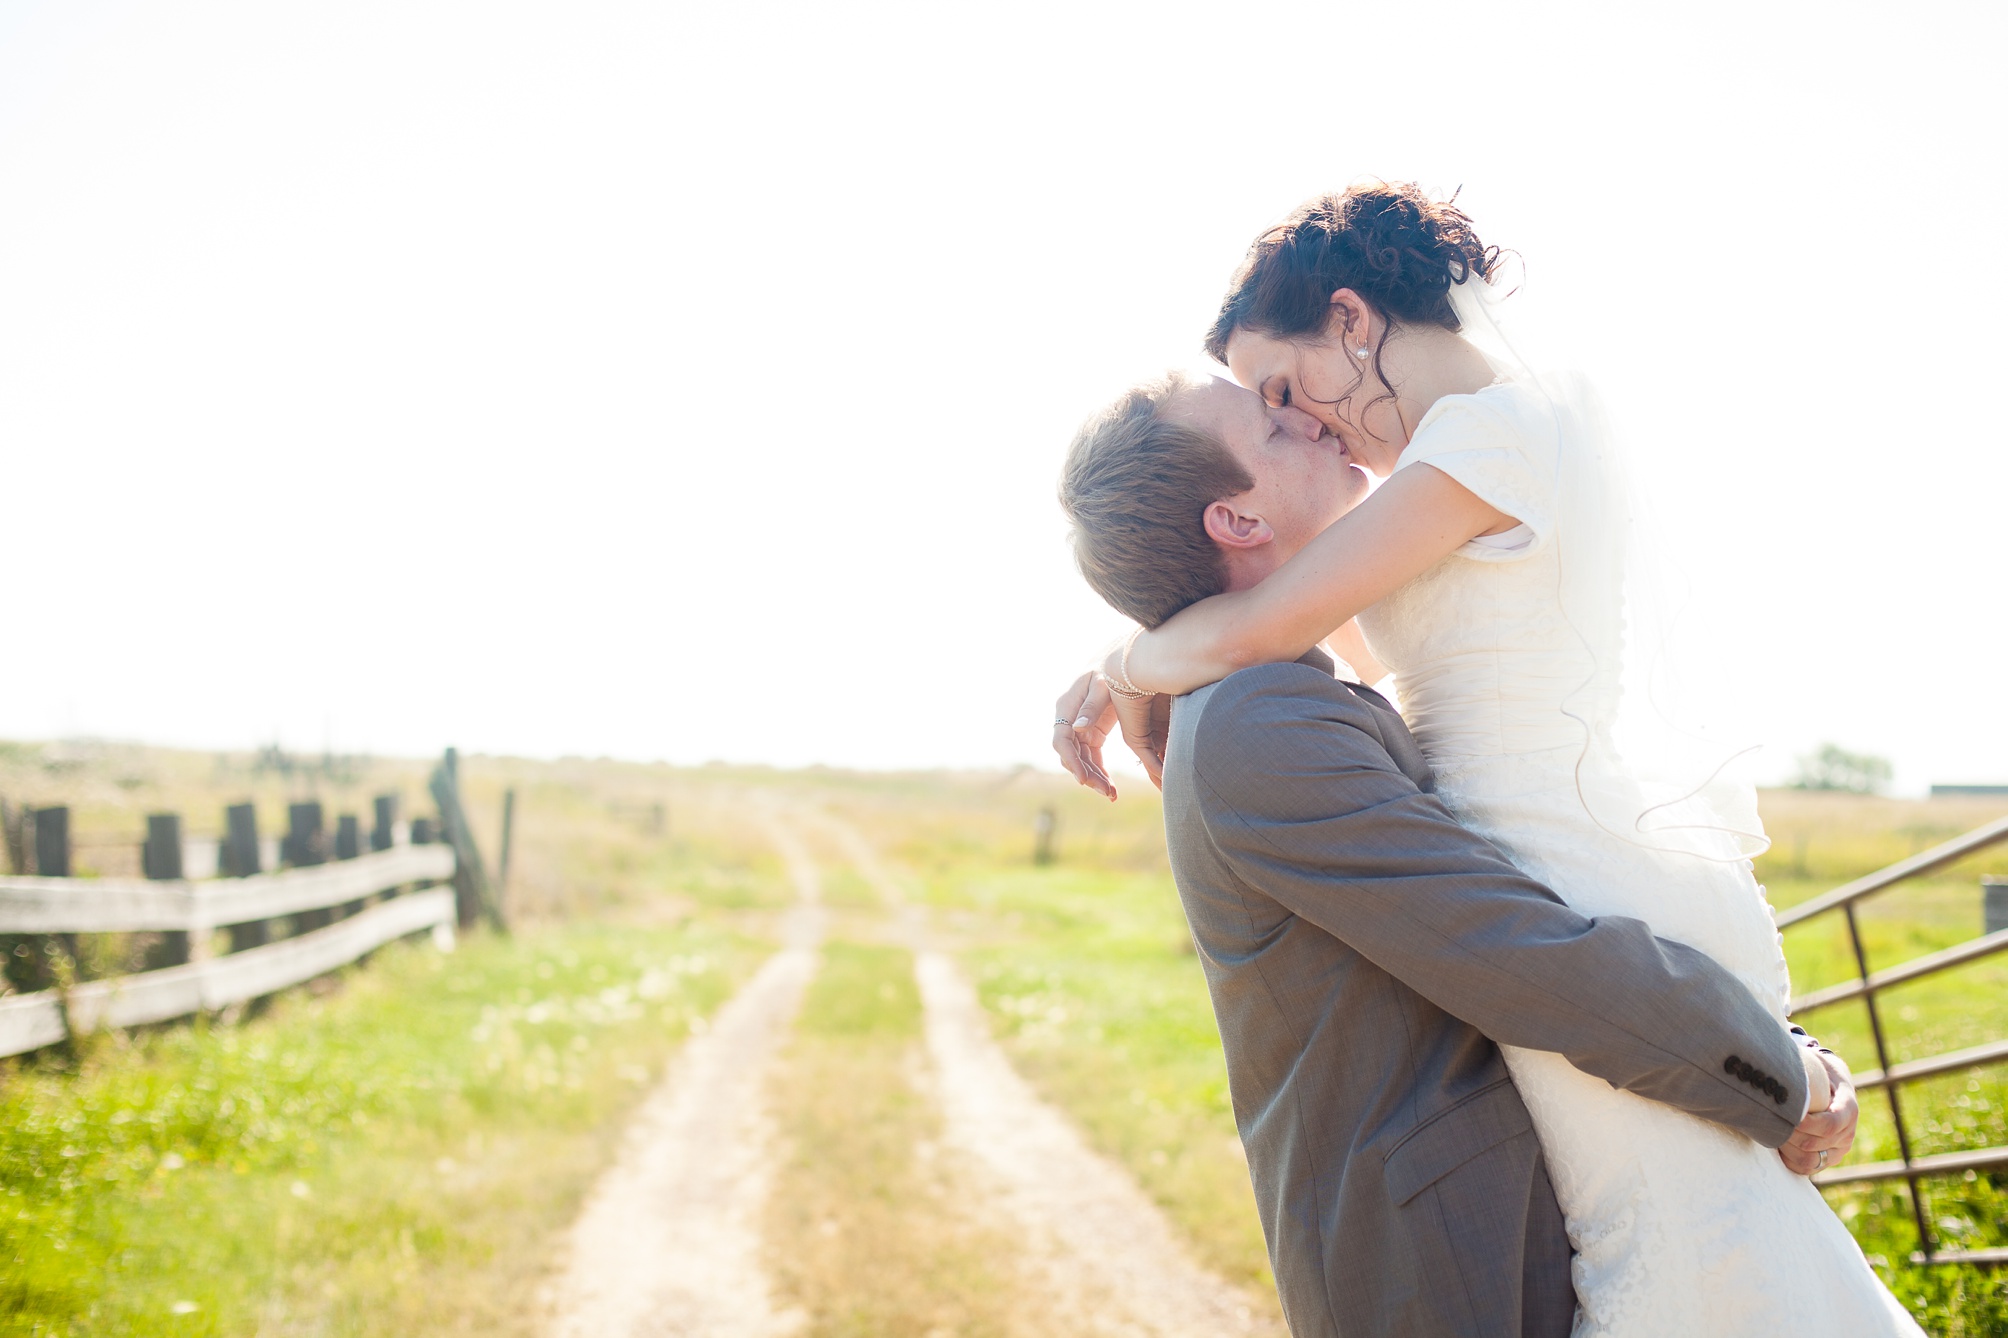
(1504, 453)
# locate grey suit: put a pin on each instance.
(1361, 947)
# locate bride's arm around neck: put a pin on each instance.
(1416, 519)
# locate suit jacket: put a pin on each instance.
(1361, 947)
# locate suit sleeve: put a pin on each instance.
(1303, 802)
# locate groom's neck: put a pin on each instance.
(1246, 567)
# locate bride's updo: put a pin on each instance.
(1387, 241)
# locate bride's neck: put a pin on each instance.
(1437, 363)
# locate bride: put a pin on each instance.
(1487, 573)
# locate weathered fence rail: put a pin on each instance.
(35, 905)
(46, 1017)
(1890, 1077)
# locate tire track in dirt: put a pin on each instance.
(1104, 1253)
(669, 1240)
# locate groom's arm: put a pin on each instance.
(1303, 801)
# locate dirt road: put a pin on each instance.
(669, 1242)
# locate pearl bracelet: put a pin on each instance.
(1124, 688)
(1119, 682)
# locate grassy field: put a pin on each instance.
(399, 1149)
(419, 1118)
(1088, 969)
(1821, 841)
(395, 1148)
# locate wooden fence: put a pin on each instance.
(341, 901)
(197, 909)
(1888, 1076)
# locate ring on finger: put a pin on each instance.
(1821, 1165)
(1062, 720)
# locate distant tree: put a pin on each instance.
(1835, 768)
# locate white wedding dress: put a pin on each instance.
(1507, 660)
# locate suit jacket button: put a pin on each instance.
(1731, 1064)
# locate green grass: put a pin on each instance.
(390, 1154)
(397, 1155)
(394, 1149)
(1086, 971)
(1823, 841)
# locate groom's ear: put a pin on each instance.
(1231, 527)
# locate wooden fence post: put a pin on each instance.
(384, 834)
(160, 858)
(508, 837)
(348, 836)
(12, 821)
(306, 841)
(52, 842)
(349, 845)
(18, 969)
(28, 967)
(1044, 828)
(52, 860)
(240, 841)
(241, 860)
(470, 878)
(307, 845)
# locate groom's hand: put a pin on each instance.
(1831, 1130)
(1146, 728)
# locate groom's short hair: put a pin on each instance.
(1135, 488)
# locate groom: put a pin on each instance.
(1365, 953)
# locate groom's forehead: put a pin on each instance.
(1217, 401)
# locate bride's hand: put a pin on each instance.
(1829, 1126)
(1082, 718)
(1094, 711)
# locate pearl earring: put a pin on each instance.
(1361, 353)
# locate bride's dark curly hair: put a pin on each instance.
(1387, 241)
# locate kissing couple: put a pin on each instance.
(1503, 1008)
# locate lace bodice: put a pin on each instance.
(1507, 660)
(1507, 649)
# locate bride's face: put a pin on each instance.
(1328, 380)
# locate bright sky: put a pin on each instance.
(674, 381)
